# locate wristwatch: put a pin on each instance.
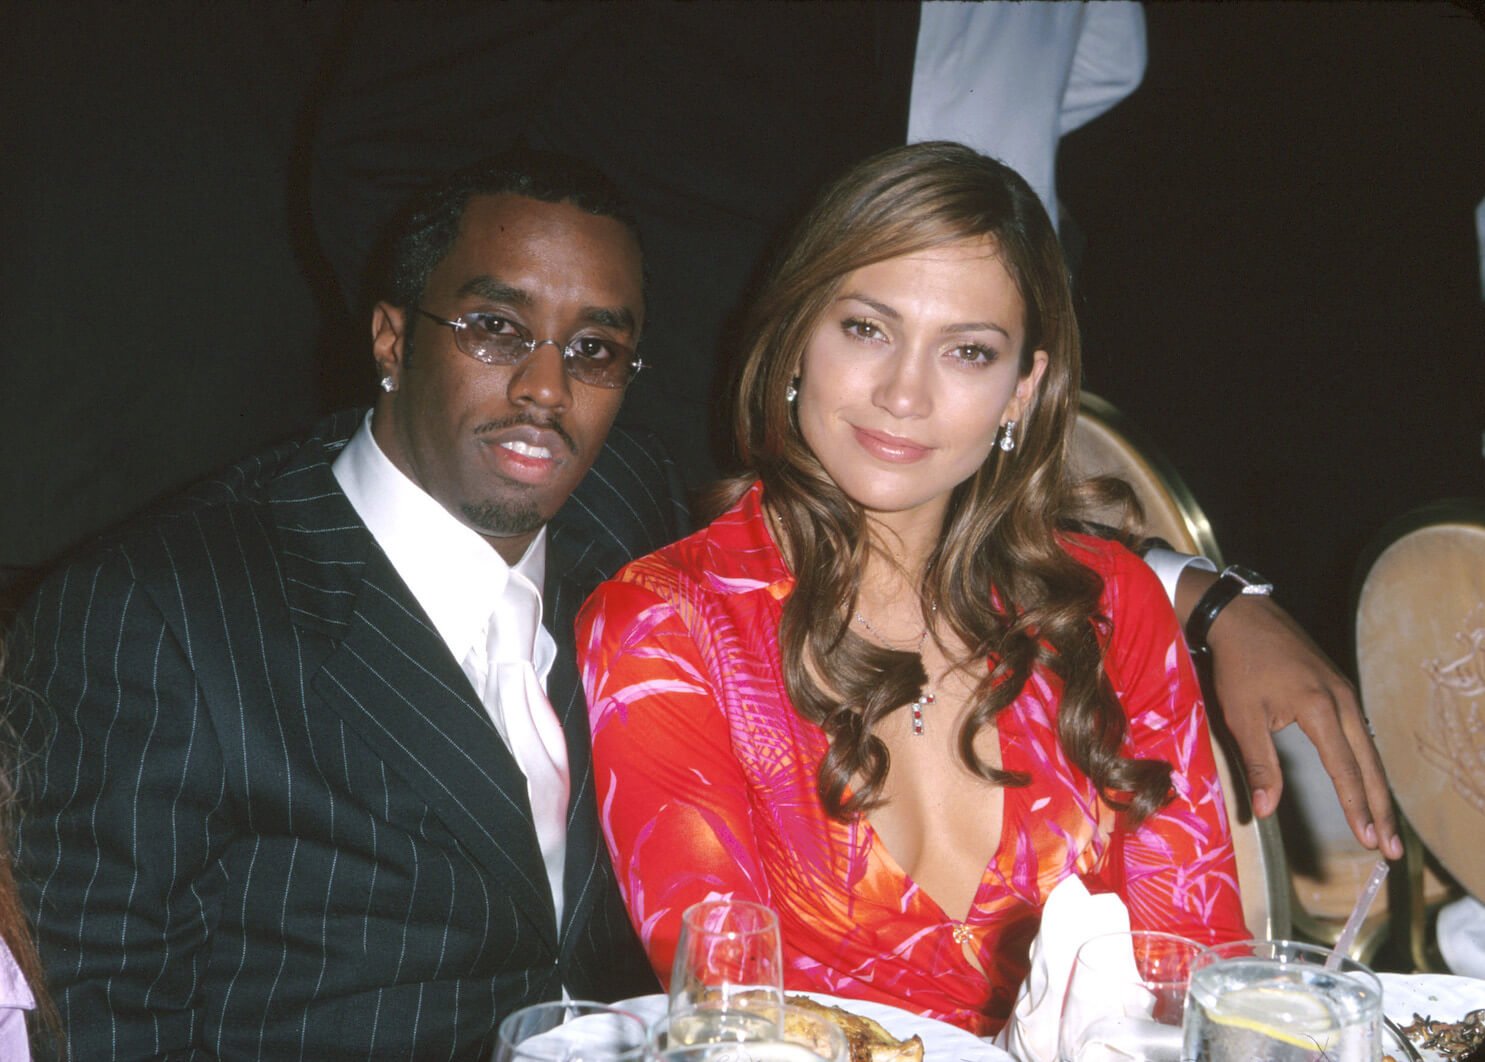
(1233, 582)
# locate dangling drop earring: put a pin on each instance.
(792, 391)
(388, 384)
(1008, 436)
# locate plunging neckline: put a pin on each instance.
(779, 588)
(878, 844)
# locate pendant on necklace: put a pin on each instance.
(924, 700)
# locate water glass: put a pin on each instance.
(571, 1031)
(1125, 998)
(1278, 1001)
(729, 957)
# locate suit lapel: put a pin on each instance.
(386, 671)
(389, 674)
(573, 571)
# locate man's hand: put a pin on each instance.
(1266, 674)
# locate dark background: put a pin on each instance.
(1279, 275)
(1282, 281)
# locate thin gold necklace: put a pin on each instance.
(925, 695)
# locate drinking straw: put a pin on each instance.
(1358, 913)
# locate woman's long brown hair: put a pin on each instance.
(1001, 576)
(15, 927)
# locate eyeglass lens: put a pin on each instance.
(494, 340)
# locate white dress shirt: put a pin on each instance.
(1168, 565)
(452, 571)
(16, 999)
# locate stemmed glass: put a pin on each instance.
(728, 971)
(571, 1031)
(1125, 998)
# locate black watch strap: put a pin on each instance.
(1233, 582)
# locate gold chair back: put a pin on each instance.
(1104, 443)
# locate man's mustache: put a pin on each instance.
(521, 420)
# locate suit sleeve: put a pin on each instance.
(1178, 870)
(121, 781)
(673, 801)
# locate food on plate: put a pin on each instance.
(1451, 1039)
(868, 1041)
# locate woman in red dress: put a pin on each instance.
(892, 692)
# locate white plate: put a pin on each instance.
(942, 1042)
(1439, 996)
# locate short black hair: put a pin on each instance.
(426, 228)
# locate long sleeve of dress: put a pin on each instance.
(1177, 867)
(679, 824)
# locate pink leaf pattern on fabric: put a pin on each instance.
(706, 784)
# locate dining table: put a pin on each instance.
(1405, 998)
(942, 1042)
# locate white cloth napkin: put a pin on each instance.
(1461, 936)
(1070, 917)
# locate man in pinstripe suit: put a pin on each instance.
(268, 813)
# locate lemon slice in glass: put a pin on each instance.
(1287, 1014)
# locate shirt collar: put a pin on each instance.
(14, 992)
(450, 568)
(752, 518)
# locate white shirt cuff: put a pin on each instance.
(1168, 565)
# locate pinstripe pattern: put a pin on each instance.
(267, 816)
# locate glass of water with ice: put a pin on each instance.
(1278, 1001)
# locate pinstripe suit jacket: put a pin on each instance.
(267, 817)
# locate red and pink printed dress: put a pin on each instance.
(706, 787)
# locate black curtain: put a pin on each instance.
(1279, 278)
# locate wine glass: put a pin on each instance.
(796, 1035)
(571, 1031)
(728, 963)
(1278, 1001)
(1125, 998)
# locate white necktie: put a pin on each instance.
(532, 729)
